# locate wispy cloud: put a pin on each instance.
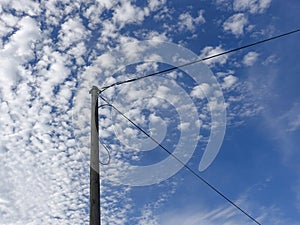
(224, 214)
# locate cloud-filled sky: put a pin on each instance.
(52, 53)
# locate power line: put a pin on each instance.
(181, 162)
(200, 60)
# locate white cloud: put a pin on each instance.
(9, 20)
(19, 50)
(92, 12)
(158, 37)
(31, 8)
(155, 4)
(127, 13)
(250, 58)
(187, 22)
(210, 51)
(223, 4)
(241, 102)
(229, 81)
(71, 32)
(78, 51)
(253, 6)
(107, 4)
(201, 91)
(236, 24)
(36, 151)
(147, 218)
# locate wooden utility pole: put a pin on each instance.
(95, 217)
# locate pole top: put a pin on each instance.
(94, 89)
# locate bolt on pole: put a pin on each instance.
(95, 217)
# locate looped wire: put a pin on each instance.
(106, 149)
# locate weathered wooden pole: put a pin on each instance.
(95, 217)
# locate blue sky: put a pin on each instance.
(53, 52)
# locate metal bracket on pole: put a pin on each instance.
(95, 217)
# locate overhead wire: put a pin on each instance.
(108, 153)
(200, 60)
(181, 162)
(103, 145)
